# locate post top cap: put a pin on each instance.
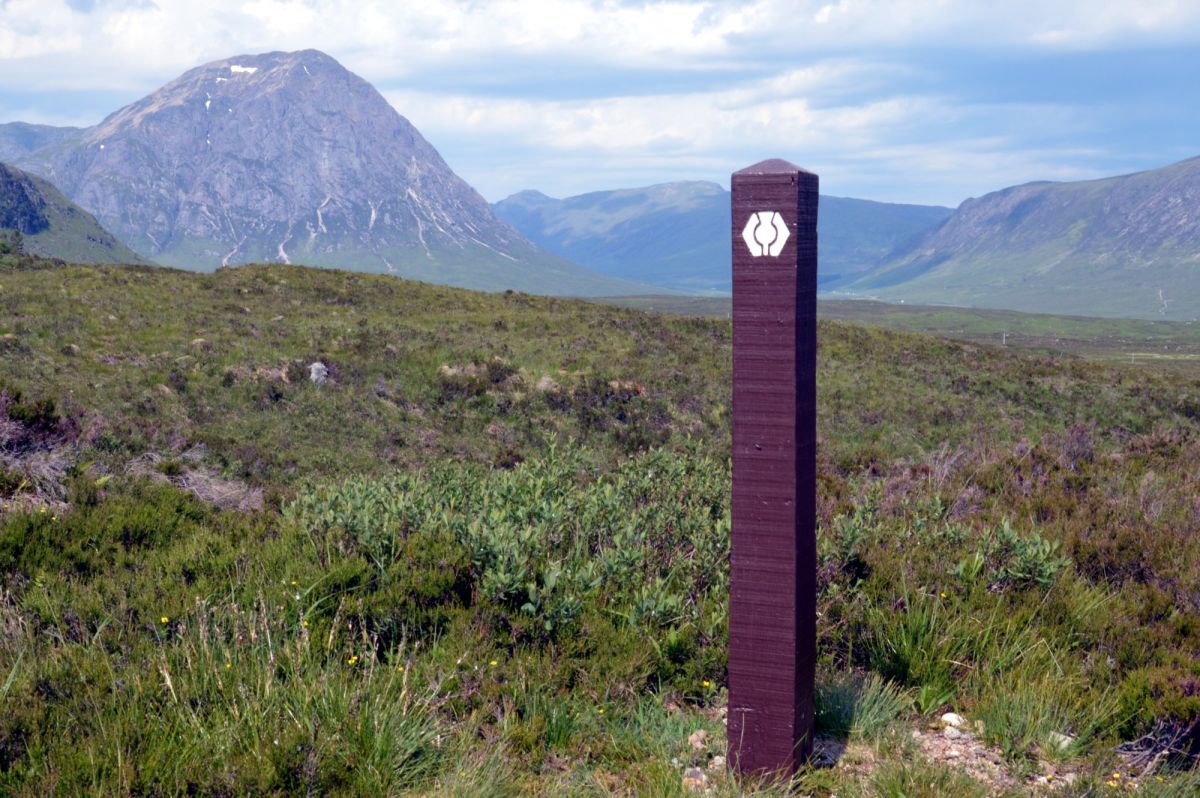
(772, 166)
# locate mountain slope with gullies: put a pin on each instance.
(289, 157)
(50, 225)
(676, 235)
(1121, 246)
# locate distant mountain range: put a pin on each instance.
(287, 157)
(676, 235)
(1121, 246)
(51, 225)
(19, 139)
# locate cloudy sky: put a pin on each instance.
(900, 100)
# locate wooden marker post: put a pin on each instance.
(772, 605)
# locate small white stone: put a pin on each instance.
(953, 719)
(951, 733)
(317, 372)
(717, 763)
(1061, 741)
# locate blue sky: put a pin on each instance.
(926, 101)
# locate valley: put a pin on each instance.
(675, 235)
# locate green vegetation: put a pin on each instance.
(13, 243)
(36, 218)
(489, 555)
(1156, 344)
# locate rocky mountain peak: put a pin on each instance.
(289, 157)
(247, 79)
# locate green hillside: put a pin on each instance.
(50, 225)
(1125, 246)
(488, 555)
(676, 235)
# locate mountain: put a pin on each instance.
(676, 235)
(1121, 246)
(51, 225)
(290, 157)
(19, 139)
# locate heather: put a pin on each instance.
(489, 554)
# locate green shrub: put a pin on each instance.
(1007, 559)
(551, 543)
(1028, 560)
(89, 543)
(37, 415)
(11, 482)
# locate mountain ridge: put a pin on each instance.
(18, 139)
(1127, 245)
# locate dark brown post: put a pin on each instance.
(772, 612)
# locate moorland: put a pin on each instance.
(486, 554)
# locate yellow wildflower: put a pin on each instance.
(164, 619)
(494, 663)
(706, 683)
(353, 660)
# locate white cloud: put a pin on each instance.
(400, 39)
(812, 79)
(776, 111)
(914, 148)
(26, 29)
